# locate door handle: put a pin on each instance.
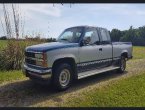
(100, 49)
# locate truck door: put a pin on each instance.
(106, 47)
(89, 53)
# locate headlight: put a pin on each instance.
(43, 61)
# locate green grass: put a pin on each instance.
(8, 76)
(127, 92)
(138, 52)
(3, 43)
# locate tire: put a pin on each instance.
(122, 64)
(62, 77)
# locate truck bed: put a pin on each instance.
(120, 47)
(119, 43)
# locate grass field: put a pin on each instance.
(138, 52)
(3, 43)
(126, 90)
(8, 76)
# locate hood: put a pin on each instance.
(50, 46)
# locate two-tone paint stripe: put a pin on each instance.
(97, 61)
(94, 62)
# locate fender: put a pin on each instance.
(62, 56)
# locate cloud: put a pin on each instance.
(34, 15)
(28, 10)
(118, 9)
(46, 9)
(39, 16)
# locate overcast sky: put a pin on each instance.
(52, 20)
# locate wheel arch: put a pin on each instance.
(125, 54)
(70, 61)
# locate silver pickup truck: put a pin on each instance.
(79, 52)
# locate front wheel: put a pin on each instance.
(62, 76)
(122, 64)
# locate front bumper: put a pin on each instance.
(38, 74)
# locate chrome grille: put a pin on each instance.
(30, 61)
(30, 54)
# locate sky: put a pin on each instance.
(50, 20)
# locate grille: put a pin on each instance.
(30, 54)
(30, 61)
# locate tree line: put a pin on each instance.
(136, 36)
(30, 39)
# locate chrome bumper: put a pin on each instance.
(39, 73)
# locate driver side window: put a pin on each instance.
(91, 37)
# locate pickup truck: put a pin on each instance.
(79, 52)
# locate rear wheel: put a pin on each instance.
(122, 64)
(62, 76)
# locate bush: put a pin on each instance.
(3, 38)
(12, 56)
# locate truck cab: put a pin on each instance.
(79, 52)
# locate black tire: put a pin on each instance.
(122, 64)
(62, 72)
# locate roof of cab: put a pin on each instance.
(85, 26)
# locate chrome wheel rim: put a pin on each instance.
(64, 77)
(123, 64)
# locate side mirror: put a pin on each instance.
(86, 41)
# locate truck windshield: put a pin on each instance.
(71, 35)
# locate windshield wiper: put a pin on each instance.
(63, 39)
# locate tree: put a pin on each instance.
(129, 35)
(115, 35)
(3, 38)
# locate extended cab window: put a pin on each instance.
(105, 36)
(91, 37)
